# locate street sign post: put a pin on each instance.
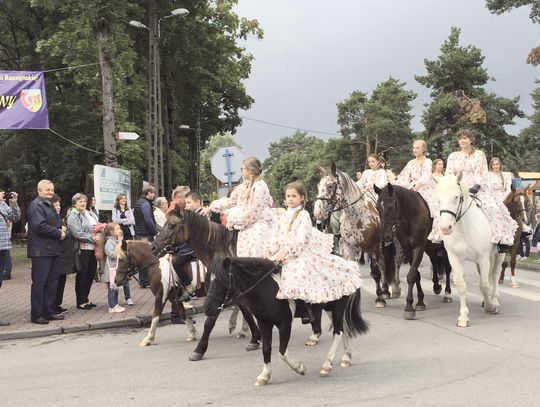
(226, 163)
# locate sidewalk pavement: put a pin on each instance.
(15, 308)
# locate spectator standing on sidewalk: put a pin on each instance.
(145, 224)
(44, 235)
(122, 215)
(80, 224)
(160, 212)
(8, 214)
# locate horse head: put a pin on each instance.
(388, 207)
(519, 205)
(125, 269)
(172, 234)
(453, 196)
(329, 193)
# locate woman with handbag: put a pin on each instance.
(80, 224)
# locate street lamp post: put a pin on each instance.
(154, 137)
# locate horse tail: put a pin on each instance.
(354, 323)
(389, 265)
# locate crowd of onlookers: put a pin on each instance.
(79, 241)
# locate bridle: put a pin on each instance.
(396, 220)
(333, 201)
(131, 270)
(230, 287)
(459, 213)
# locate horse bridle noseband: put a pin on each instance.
(333, 199)
(228, 300)
(459, 211)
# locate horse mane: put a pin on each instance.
(349, 186)
(410, 198)
(207, 234)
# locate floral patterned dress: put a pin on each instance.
(249, 210)
(310, 272)
(415, 175)
(475, 171)
(499, 184)
(369, 177)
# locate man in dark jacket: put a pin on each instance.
(45, 232)
(145, 224)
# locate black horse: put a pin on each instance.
(405, 215)
(249, 281)
(208, 240)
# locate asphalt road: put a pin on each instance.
(425, 362)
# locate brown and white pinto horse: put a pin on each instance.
(360, 223)
(518, 205)
(135, 256)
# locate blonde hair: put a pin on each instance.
(254, 166)
(423, 143)
(299, 187)
(105, 233)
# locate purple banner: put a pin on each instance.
(23, 102)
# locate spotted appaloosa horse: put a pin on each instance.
(519, 206)
(360, 228)
(134, 257)
(467, 236)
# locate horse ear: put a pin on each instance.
(333, 168)
(390, 189)
(512, 188)
(377, 189)
(322, 170)
(124, 245)
(226, 263)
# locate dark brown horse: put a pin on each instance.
(208, 240)
(136, 257)
(518, 205)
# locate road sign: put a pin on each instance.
(226, 163)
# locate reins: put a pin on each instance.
(245, 292)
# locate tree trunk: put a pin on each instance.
(109, 126)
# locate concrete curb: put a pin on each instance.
(138, 321)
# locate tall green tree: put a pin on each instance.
(457, 79)
(528, 142)
(381, 123)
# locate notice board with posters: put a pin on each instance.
(110, 182)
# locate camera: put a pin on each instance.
(8, 195)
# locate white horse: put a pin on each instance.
(467, 236)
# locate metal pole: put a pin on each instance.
(198, 151)
(228, 166)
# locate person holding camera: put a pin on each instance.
(8, 213)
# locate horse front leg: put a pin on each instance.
(376, 275)
(316, 311)
(459, 281)
(254, 342)
(346, 359)
(513, 282)
(266, 332)
(398, 261)
(158, 310)
(202, 346)
(413, 278)
(182, 312)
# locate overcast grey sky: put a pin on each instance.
(315, 53)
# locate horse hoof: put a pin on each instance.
(252, 346)
(515, 285)
(462, 324)
(261, 382)
(447, 300)
(396, 295)
(195, 356)
(437, 290)
(190, 339)
(231, 329)
(409, 315)
(302, 370)
(325, 371)
(240, 335)
(501, 281)
(380, 304)
(420, 308)
(311, 342)
(144, 343)
(345, 363)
